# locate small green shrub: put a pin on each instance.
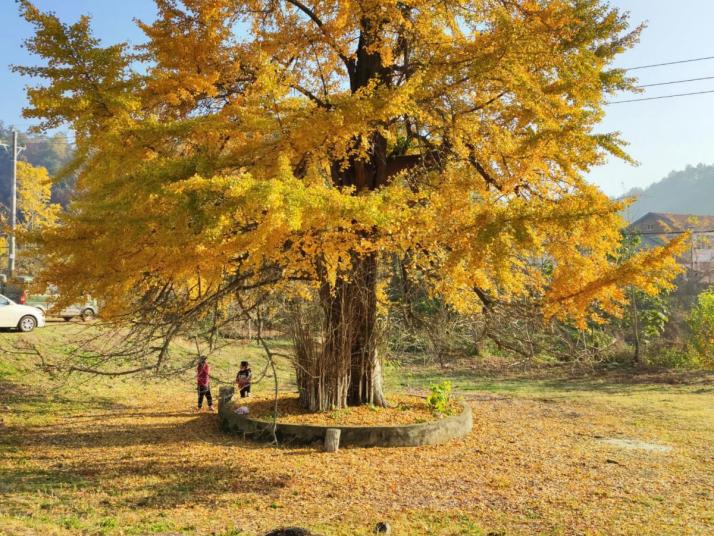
(701, 322)
(71, 522)
(108, 523)
(439, 401)
(674, 359)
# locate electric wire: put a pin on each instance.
(63, 142)
(661, 233)
(677, 82)
(661, 97)
(668, 63)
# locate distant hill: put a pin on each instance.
(690, 191)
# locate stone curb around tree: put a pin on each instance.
(410, 435)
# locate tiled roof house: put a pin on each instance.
(655, 228)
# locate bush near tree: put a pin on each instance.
(701, 321)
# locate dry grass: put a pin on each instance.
(130, 458)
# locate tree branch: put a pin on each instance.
(321, 25)
(110, 372)
(314, 98)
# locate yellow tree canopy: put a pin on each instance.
(36, 212)
(277, 141)
(34, 198)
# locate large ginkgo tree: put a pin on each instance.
(304, 147)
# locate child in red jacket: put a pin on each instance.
(202, 380)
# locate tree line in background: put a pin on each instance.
(42, 189)
(672, 329)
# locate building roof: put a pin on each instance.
(654, 227)
(668, 222)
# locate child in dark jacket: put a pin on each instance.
(244, 378)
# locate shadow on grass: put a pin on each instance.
(36, 480)
(202, 485)
(139, 464)
(171, 483)
(104, 433)
(33, 401)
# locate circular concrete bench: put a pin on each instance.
(410, 435)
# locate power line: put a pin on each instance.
(661, 233)
(668, 63)
(55, 136)
(662, 97)
(42, 138)
(678, 81)
(50, 136)
(59, 141)
(50, 141)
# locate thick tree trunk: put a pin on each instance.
(350, 310)
(343, 367)
(360, 293)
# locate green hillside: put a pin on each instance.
(689, 191)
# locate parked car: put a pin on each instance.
(44, 302)
(17, 290)
(22, 317)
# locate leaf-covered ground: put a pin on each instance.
(130, 457)
(403, 409)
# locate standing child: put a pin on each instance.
(243, 379)
(202, 381)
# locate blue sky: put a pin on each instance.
(664, 135)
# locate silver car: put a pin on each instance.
(86, 311)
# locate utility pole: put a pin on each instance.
(16, 150)
(13, 209)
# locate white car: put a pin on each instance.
(22, 317)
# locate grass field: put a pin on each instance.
(550, 453)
